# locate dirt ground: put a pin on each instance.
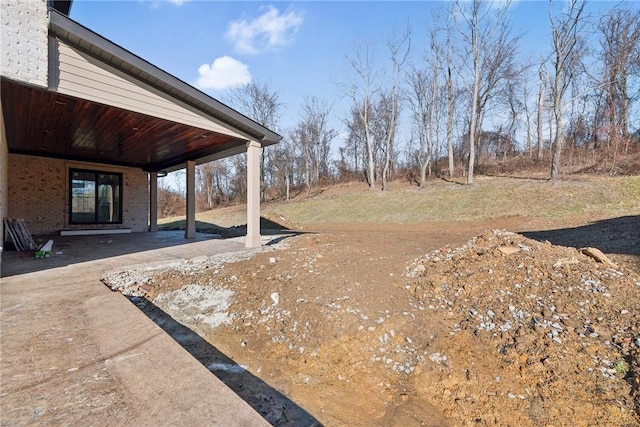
(420, 325)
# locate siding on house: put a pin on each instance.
(24, 41)
(39, 193)
(83, 76)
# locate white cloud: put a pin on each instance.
(268, 31)
(223, 73)
(156, 4)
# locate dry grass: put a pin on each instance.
(579, 196)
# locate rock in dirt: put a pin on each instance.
(557, 334)
(598, 256)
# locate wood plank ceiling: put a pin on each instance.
(44, 123)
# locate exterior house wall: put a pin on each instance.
(24, 38)
(4, 163)
(39, 193)
(83, 76)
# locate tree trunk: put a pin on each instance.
(475, 92)
(450, 123)
(556, 151)
(624, 110)
(540, 118)
(371, 165)
(473, 124)
(287, 184)
(385, 171)
(423, 174)
(557, 146)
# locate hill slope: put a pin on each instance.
(576, 199)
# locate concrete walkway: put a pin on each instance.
(75, 353)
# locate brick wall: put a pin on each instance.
(39, 193)
(24, 40)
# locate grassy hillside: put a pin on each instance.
(491, 197)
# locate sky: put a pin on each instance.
(297, 48)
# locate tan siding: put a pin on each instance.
(85, 77)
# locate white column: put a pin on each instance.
(190, 231)
(253, 195)
(153, 201)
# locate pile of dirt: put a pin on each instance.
(345, 328)
(538, 334)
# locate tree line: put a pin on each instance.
(469, 98)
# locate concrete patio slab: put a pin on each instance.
(75, 353)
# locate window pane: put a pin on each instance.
(83, 197)
(108, 198)
(96, 197)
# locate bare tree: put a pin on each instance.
(205, 183)
(399, 46)
(541, 109)
(384, 122)
(355, 143)
(527, 116)
(419, 96)
(212, 183)
(566, 32)
(258, 102)
(361, 89)
(425, 100)
(450, 97)
(313, 136)
(238, 183)
(261, 104)
(515, 106)
(492, 49)
(285, 159)
(620, 41)
(171, 198)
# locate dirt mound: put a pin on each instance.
(348, 327)
(538, 334)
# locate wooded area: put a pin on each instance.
(469, 103)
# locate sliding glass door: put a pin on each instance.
(96, 197)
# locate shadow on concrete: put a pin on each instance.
(138, 247)
(69, 250)
(273, 406)
(267, 228)
(614, 236)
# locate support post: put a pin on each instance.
(153, 201)
(253, 239)
(190, 231)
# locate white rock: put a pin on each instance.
(275, 297)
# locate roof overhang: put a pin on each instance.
(44, 122)
(62, 6)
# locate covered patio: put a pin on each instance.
(112, 122)
(100, 253)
